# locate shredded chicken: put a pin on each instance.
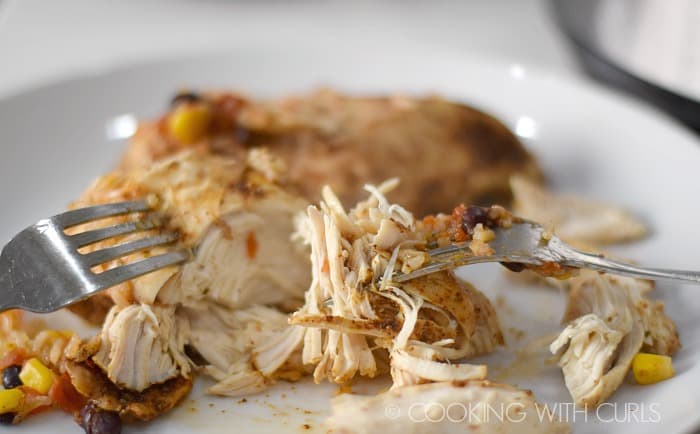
(246, 349)
(354, 310)
(142, 345)
(230, 212)
(609, 321)
(451, 407)
(660, 332)
(239, 223)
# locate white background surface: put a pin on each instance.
(45, 40)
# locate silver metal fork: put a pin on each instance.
(528, 243)
(41, 269)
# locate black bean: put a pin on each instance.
(472, 216)
(516, 267)
(185, 97)
(10, 377)
(7, 418)
(241, 134)
(94, 420)
(105, 422)
(86, 413)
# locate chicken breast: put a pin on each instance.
(142, 345)
(660, 334)
(210, 313)
(445, 153)
(234, 216)
(354, 310)
(487, 334)
(246, 349)
(445, 407)
(609, 321)
(574, 219)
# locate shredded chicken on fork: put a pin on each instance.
(355, 314)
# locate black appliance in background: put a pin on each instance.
(580, 22)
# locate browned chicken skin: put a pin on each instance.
(92, 383)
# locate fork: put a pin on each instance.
(528, 243)
(42, 270)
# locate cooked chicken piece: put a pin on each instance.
(246, 349)
(595, 358)
(420, 364)
(445, 407)
(574, 219)
(487, 334)
(239, 222)
(660, 334)
(142, 345)
(91, 382)
(610, 321)
(238, 260)
(136, 367)
(354, 310)
(445, 153)
(232, 214)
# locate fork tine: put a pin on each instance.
(452, 248)
(84, 215)
(93, 236)
(423, 271)
(121, 274)
(110, 253)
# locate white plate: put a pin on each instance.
(590, 142)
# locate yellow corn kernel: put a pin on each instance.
(189, 122)
(36, 375)
(10, 400)
(651, 368)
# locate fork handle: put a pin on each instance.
(579, 259)
(562, 254)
